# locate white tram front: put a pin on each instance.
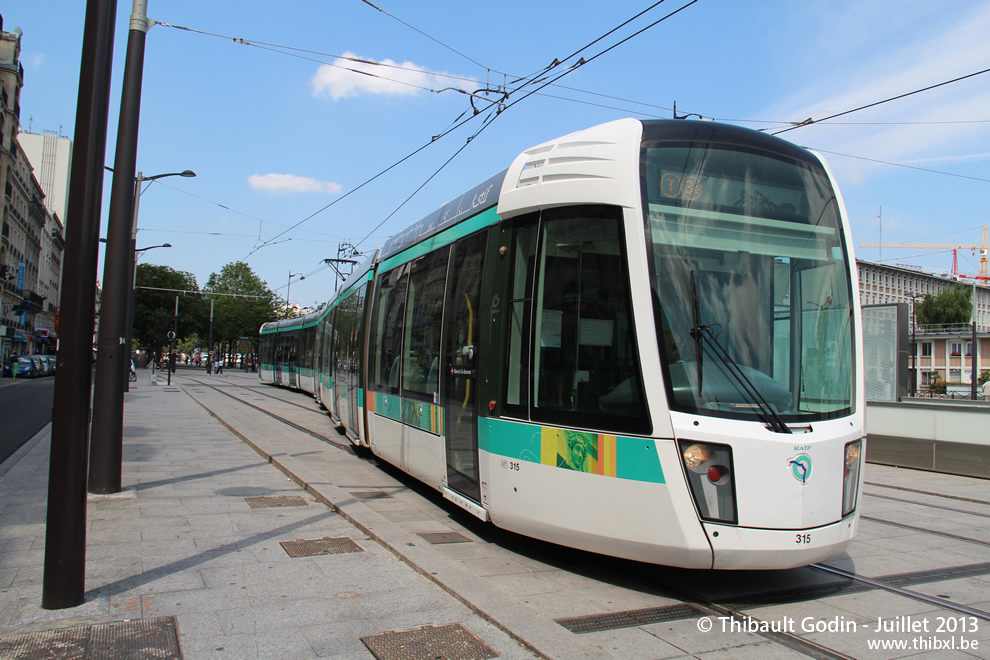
(639, 340)
(690, 284)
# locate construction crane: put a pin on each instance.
(983, 249)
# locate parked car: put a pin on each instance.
(50, 361)
(25, 366)
(42, 365)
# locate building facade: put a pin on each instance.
(31, 236)
(51, 156)
(938, 354)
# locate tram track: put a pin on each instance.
(696, 604)
(919, 491)
(929, 505)
(948, 535)
(345, 446)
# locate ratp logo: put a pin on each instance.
(801, 468)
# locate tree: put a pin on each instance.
(154, 310)
(234, 316)
(952, 306)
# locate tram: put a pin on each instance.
(640, 340)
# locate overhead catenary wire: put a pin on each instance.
(809, 121)
(492, 118)
(534, 79)
(910, 167)
(411, 27)
(458, 125)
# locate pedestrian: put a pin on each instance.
(219, 365)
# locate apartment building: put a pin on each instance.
(938, 353)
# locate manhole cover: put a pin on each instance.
(437, 538)
(277, 500)
(137, 639)
(328, 545)
(453, 641)
(372, 495)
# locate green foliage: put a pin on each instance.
(155, 310)
(952, 306)
(236, 317)
(984, 376)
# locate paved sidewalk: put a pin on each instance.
(182, 541)
(182, 547)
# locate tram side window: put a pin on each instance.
(424, 320)
(307, 338)
(386, 330)
(523, 254)
(585, 367)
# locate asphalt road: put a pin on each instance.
(25, 408)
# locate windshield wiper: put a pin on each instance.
(703, 335)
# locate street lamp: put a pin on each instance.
(113, 356)
(287, 286)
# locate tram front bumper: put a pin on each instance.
(743, 548)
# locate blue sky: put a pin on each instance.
(277, 136)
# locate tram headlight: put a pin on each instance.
(695, 458)
(850, 476)
(709, 475)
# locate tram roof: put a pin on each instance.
(479, 198)
(677, 130)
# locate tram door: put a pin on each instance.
(346, 372)
(277, 359)
(291, 355)
(460, 369)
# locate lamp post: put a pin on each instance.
(287, 286)
(130, 298)
(113, 356)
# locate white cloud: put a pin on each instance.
(342, 79)
(290, 183)
(37, 60)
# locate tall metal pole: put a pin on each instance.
(63, 584)
(106, 452)
(124, 364)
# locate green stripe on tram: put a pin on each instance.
(604, 454)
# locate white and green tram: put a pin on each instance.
(639, 340)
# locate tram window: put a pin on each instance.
(386, 329)
(424, 319)
(523, 254)
(585, 366)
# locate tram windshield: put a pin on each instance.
(750, 276)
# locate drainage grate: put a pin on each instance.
(453, 641)
(372, 495)
(628, 619)
(437, 538)
(138, 639)
(270, 501)
(328, 545)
